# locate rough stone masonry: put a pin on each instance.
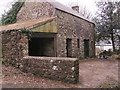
(63, 69)
(74, 37)
(70, 26)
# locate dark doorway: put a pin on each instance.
(86, 48)
(41, 47)
(69, 47)
(78, 43)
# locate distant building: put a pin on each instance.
(103, 45)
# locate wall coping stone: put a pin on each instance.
(49, 58)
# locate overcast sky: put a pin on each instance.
(89, 4)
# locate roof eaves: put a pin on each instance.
(66, 9)
(25, 25)
(77, 16)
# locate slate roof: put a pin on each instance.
(66, 9)
(26, 24)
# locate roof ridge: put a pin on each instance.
(62, 7)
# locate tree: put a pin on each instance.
(10, 16)
(85, 13)
(0, 23)
(108, 21)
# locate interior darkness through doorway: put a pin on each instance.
(41, 47)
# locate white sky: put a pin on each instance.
(89, 4)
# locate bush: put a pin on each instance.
(117, 57)
(117, 52)
(110, 54)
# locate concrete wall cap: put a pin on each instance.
(50, 58)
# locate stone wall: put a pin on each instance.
(14, 46)
(35, 10)
(74, 28)
(86, 31)
(63, 69)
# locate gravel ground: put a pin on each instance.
(93, 73)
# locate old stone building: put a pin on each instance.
(48, 29)
(75, 35)
(45, 35)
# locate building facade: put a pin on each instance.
(56, 31)
(74, 32)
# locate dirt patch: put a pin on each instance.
(14, 78)
(93, 73)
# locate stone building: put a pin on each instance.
(48, 29)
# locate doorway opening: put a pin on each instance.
(69, 47)
(86, 48)
(41, 47)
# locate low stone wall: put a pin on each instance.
(62, 69)
(14, 46)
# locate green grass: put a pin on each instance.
(110, 83)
